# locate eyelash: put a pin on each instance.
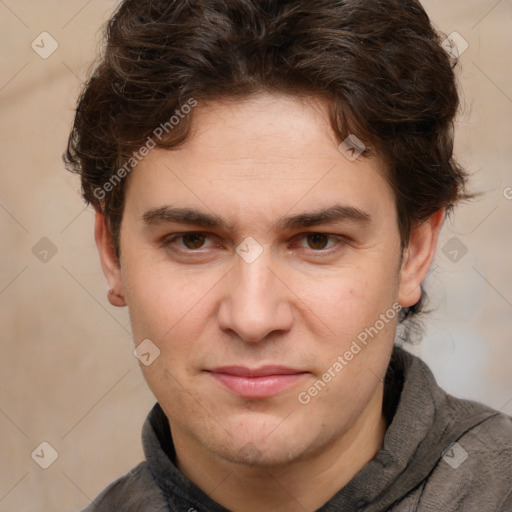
(170, 240)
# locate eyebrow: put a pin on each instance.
(334, 213)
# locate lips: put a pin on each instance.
(262, 382)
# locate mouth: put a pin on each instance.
(261, 382)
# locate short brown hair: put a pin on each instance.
(379, 63)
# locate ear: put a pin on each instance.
(418, 257)
(109, 263)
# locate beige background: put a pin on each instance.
(67, 373)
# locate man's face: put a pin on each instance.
(294, 295)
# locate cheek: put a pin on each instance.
(158, 296)
(352, 298)
(171, 309)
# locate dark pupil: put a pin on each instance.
(193, 240)
(317, 241)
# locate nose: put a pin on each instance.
(255, 302)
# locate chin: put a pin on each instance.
(252, 454)
(265, 443)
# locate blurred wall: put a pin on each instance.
(67, 373)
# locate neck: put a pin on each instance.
(306, 484)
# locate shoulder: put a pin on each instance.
(489, 452)
(136, 491)
(474, 472)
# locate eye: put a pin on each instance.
(317, 241)
(322, 243)
(193, 240)
(186, 241)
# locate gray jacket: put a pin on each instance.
(440, 454)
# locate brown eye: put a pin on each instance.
(193, 240)
(317, 241)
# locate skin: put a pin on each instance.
(299, 304)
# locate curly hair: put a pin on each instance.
(378, 63)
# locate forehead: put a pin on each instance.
(265, 154)
(268, 127)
